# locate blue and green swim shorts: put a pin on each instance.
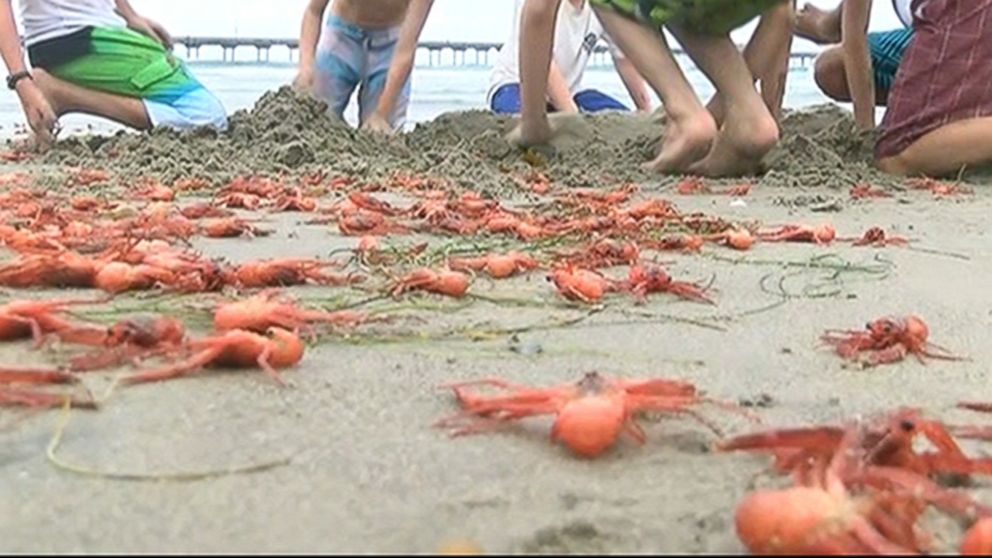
(887, 48)
(124, 62)
(707, 17)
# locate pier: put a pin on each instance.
(439, 53)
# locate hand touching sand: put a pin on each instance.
(557, 129)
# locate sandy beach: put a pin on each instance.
(346, 459)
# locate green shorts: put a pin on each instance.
(120, 61)
(706, 17)
(115, 60)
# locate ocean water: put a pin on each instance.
(436, 90)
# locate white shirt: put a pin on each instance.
(904, 12)
(577, 32)
(47, 19)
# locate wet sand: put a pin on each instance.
(367, 473)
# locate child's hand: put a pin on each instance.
(377, 124)
(304, 80)
(152, 29)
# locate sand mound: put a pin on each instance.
(289, 133)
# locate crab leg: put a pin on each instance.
(35, 376)
(25, 398)
(83, 335)
(943, 354)
(477, 423)
(980, 407)
(494, 382)
(810, 439)
(634, 430)
(36, 333)
(889, 478)
(660, 387)
(190, 366)
(263, 363)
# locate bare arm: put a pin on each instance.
(41, 117)
(309, 35)
(403, 58)
(635, 84)
(558, 92)
(768, 54)
(537, 32)
(857, 61)
(125, 10)
(10, 44)
(143, 24)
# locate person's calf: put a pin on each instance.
(51, 88)
(945, 151)
(66, 97)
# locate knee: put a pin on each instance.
(830, 76)
(765, 137)
(217, 114)
(898, 165)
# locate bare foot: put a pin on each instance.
(820, 26)
(746, 137)
(687, 140)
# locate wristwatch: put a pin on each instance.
(12, 79)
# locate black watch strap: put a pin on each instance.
(12, 79)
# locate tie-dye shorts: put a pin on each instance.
(350, 57)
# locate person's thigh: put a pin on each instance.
(943, 76)
(194, 109)
(123, 62)
(592, 100)
(381, 50)
(506, 99)
(338, 65)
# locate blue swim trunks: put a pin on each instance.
(506, 100)
(350, 57)
(887, 48)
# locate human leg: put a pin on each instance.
(771, 69)
(820, 26)
(338, 64)
(749, 131)
(887, 50)
(767, 57)
(125, 76)
(690, 129)
(592, 101)
(830, 75)
(197, 108)
(945, 151)
(67, 97)
(940, 106)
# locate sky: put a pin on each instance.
(452, 20)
